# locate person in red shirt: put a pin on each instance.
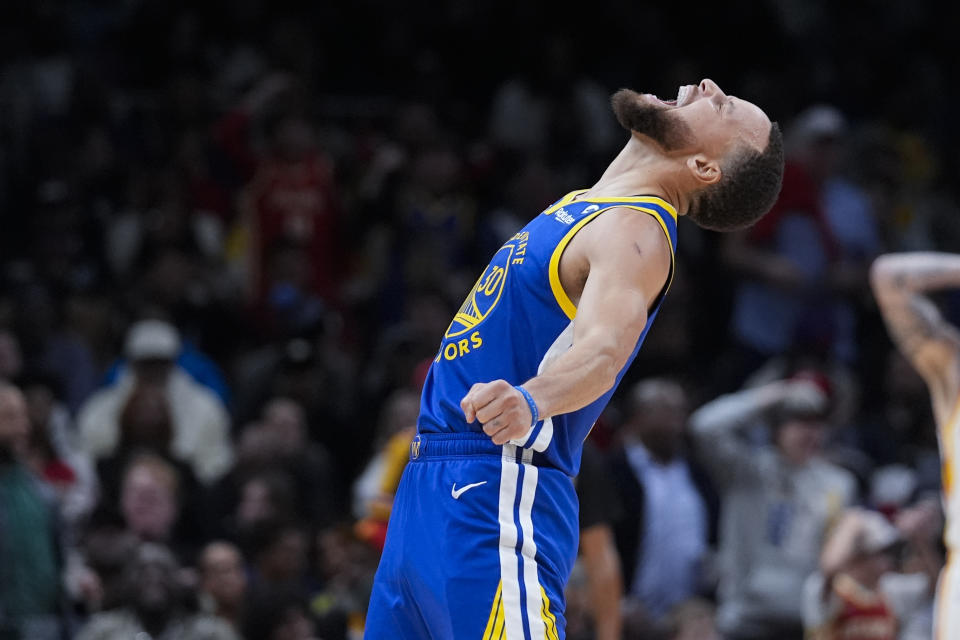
(291, 204)
(857, 594)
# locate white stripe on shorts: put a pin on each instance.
(510, 593)
(509, 572)
(529, 548)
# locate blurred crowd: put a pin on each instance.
(232, 235)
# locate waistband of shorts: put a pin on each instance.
(466, 444)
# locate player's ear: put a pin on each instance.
(705, 170)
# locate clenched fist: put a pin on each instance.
(501, 409)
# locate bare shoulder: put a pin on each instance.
(622, 230)
(622, 245)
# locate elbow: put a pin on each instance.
(829, 567)
(700, 424)
(883, 273)
(611, 358)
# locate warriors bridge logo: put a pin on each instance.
(485, 295)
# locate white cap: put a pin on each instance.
(876, 533)
(152, 339)
(893, 485)
(815, 123)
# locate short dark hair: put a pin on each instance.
(747, 190)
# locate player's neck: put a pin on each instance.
(639, 169)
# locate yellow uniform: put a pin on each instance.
(948, 588)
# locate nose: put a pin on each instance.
(709, 88)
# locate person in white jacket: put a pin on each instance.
(777, 503)
(199, 422)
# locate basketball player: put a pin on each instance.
(483, 533)
(901, 283)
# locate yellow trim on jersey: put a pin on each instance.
(567, 199)
(940, 618)
(495, 624)
(570, 197)
(549, 620)
(553, 271)
(948, 436)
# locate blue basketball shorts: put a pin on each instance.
(480, 545)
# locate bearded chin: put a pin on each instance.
(657, 123)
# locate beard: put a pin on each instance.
(657, 123)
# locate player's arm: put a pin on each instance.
(602, 563)
(900, 282)
(628, 261)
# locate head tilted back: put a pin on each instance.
(747, 190)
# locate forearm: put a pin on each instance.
(605, 582)
(729, 413)
(915, 324)
(918, 272)
(754, 262)
(838, 548)
(607, 620)
(578, 377)
(761, 264)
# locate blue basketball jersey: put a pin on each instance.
(517, 319)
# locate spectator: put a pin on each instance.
(198, 421)
(346, 566)
(664, 537)
(856, 593)
(69, 348)
(375, 488)
(278, 443)
(278, 615)
(258, 497)
(150, 503)
(98, 581)
(154, 605)
(30, 551)
(279, 558)
(55, 453)
(312, 373)
(284, 426)
(145, 432)
(777, 502)
(223, 582)
(199, 365)
(292, 202)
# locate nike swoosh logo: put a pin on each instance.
(456, 493)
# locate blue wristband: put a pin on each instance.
(534, 412)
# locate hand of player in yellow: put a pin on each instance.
(500, 408)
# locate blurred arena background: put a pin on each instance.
(232, 234)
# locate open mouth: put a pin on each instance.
(684, 95)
